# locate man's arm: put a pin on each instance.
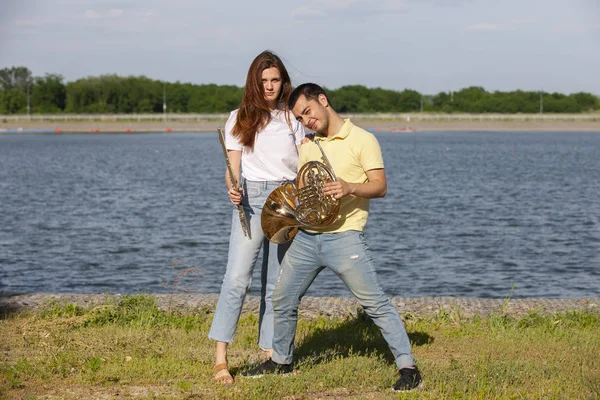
(376, 186)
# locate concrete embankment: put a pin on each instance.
(315, 306)
(394, 125)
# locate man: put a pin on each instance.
(356, 159)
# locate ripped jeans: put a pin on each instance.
(348, 256)
(243, 254)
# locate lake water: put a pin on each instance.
(467, 214)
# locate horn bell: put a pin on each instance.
(278, 217)
(303, 204)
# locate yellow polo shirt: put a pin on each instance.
(351, 152)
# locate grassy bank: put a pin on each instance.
(130, 349)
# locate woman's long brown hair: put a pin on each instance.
(254, 113)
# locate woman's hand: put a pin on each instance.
(235, 195)
(307, 138)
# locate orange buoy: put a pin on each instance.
(57, 130)
(90, 130)
(128, 130)
(169, 130)
(96, 130)
(377, 129)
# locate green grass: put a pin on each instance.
(131, 349)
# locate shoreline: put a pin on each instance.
(315, 306)
(384, 125)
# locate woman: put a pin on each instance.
(263, 137)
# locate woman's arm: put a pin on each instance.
(234, 193)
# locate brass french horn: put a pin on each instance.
(300, 205)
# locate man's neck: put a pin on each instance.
(335, 125)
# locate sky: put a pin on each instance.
(425, 45)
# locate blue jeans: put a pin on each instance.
(241, 260)
(346, 254)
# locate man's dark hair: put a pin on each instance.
(310, 90)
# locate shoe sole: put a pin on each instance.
(419, 386)
(252, 376)
(284, 374)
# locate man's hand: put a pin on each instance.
(337, 189)
(376, 186)
(235, 195)
(307, 138)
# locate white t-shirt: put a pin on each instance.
(275, 156)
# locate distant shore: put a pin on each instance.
(388, 125)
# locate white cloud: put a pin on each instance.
(322, 8)
(523, 21)
(394, 5)
(348, 8)
(26, 22)
(115, 12)
(575, 28)
(91, 14)
(338, 4)
(38, 21)
(305, 12)
(511, 25)
(484, 26)
(112, 13)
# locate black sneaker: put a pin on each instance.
(410, 379)
(268, 367)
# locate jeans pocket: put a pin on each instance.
(253, 191)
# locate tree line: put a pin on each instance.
(20, 93)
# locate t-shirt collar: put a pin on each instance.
(343, 133)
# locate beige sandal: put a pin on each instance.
(223, 377)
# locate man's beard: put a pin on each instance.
(323, 130)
